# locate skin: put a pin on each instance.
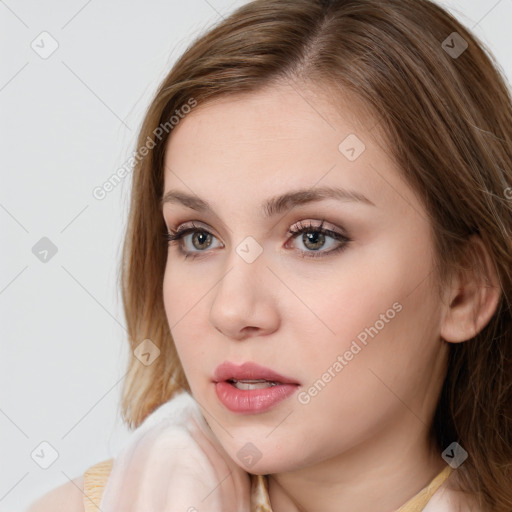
(367, 429)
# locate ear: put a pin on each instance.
(473, 296)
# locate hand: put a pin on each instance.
(173, 463)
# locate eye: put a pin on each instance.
(313, 239)
(201, 239)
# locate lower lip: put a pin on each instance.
(252, 400)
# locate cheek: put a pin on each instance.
(183, 292)
(376, 317)
(182, 303)
(362, 292)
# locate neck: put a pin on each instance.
(379, 475)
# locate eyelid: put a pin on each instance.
(324, 226)
(310, 224)
(192, 226)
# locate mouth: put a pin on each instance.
(252, 384)
(251, 388)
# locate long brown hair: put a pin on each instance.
(447, 120)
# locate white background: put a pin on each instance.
(67, 123)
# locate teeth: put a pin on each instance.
(252, 384)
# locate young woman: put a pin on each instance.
(318, 260)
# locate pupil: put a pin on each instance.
(312, 237)
(198, 235)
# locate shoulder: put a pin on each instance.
(67, 497)
(449, 499)
(82, 494)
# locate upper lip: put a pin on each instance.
(249, 371)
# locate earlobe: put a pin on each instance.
(473, 297)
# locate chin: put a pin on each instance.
(268, 460)
(265, 468)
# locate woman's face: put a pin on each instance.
(354, 321)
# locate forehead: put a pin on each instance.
(283, 137)
(274, 115)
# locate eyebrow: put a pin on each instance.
(275, 205)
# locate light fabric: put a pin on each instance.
(174, 462)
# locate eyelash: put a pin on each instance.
(175, 236)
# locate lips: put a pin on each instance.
(251, 388)
(249, 371)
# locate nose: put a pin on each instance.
(244, 301)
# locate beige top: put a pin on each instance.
(95, 479)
